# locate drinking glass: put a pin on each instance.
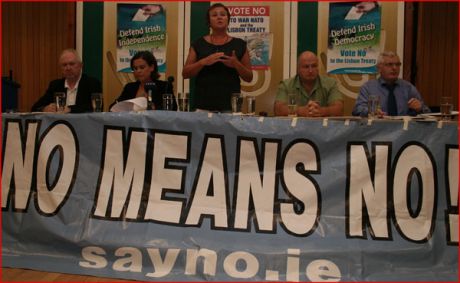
(96, 101)
(251, 100)
(183, 101)
(373, 105)
(292, 104)
(237, 102)
(168, 101)
(446, 107)
(60, 100)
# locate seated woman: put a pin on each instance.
(145, 69)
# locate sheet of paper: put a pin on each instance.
(453, 113)
(135, 104)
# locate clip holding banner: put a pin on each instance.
(325, 121)
(440, 124)
(294, 122)
(406, 123)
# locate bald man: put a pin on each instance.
(317, 96)
(77, 86)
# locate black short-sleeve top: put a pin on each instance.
(215, 83)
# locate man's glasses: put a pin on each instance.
(392, 64)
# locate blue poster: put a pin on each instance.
(140, 27)
(354, 37)
(259, 50)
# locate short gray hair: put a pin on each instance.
(384, 54)
(73, 51)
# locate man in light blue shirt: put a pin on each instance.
(397, 97)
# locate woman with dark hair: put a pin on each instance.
(218, 61)
(145, 70)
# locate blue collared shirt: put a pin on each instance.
(403, 92)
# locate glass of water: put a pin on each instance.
(96, 102)
(168, 101)
(236, 102)
(251, 100)
(183, 101)
(446, 107)
(60, 100)
(373, 105)
(292, 104)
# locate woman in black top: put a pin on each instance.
(145, 70)
(218, 61)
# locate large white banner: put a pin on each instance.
(175, 196)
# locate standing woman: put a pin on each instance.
(145, 70)
(217, 61)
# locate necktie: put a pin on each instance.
(392, 107)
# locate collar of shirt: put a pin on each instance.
(71, 93)
(382, 82)
(302, 90)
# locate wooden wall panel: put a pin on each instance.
(409, 40)
(437, 51)
(33, 35)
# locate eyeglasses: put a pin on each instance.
(398, 64)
